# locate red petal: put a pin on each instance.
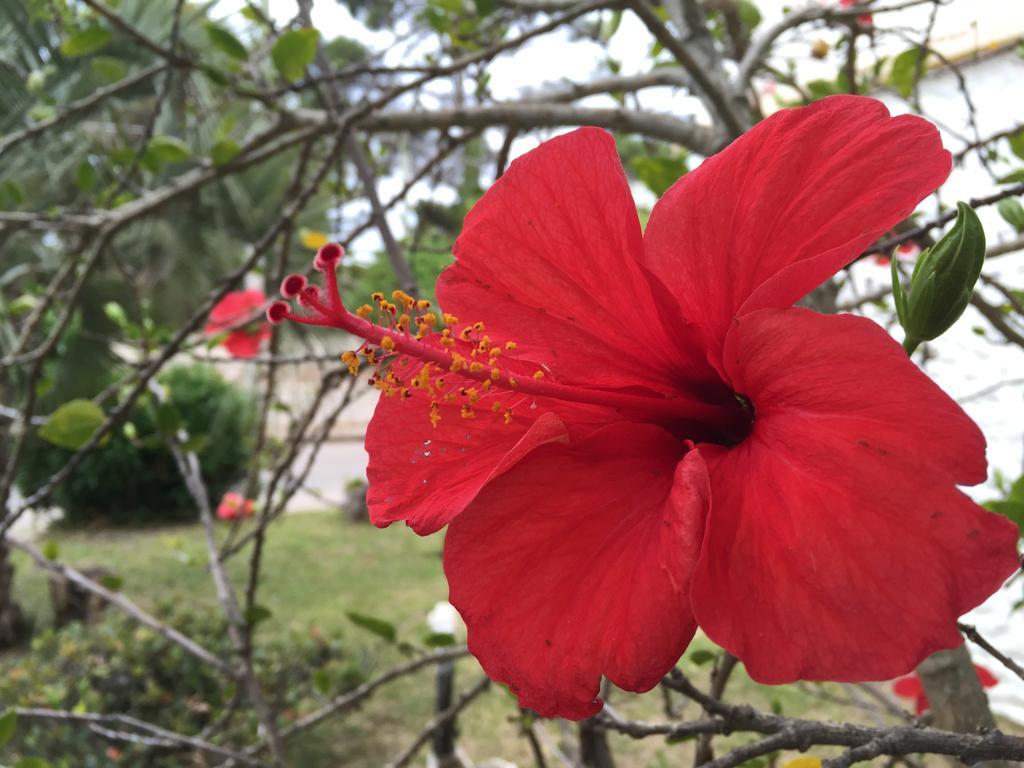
(988, 680)
(909, 687)
(838, 547)
(576, 563)
(788, 204)
(922, 704)
(549, 258)
(426, 475)
(244, 344)
(235, 306)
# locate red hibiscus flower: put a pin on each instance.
(632, 433)
(233, 506)
(237, 308)
(910, 687)
(866, 19)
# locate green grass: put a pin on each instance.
(316, 568)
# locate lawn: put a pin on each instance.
(317, 568)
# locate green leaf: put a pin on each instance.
(1015, 177)
(485, 8)
(374, 625)
(51, 549)
(108, 69)
(750, 15)
(71, 425)
(226, 42)
(904, 71)
(31, 762)
(1012, 212)
(439, 640)
(658, 173)
(168, 149)
(85, 176)
(700, 657)
(8, 725)
(89, 40)
(112, 581)
(1017, 144)
(168, 420)
(224, 151)
(257, 613)
(322, 681)
(294, 51)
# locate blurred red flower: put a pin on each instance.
(236, 308)
(866, 19)
(910, 687)
(233, 506)
(632, 432)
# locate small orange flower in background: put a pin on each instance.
(909, 687)
(231, 313)
(233, 506)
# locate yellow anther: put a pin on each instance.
(348, 357)
(404, 393)
(449, 398)
(387, 343)
(403, 322)
(478, 327)
(371, 356)
(439, 382)
(508, 415)
(485, 344)
(486, 385)
(466, 333)
(428, 319)
(495, 352)
(423, 377)
(379, 384)
(422, 304)
(458, 363)
(510, 345)
(513, 382)
(364, 311)
(473, 395)
(496, 407)
(447, 341)
(495, 374)
(466, 412)
(435, 413)
(449, 319)
(403, 298)
(476, 367)
(538, 375)
(377, 296)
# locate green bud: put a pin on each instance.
(942, 282)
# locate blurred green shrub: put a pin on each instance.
(132, 478)
(118, 666)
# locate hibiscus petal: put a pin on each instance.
(577, 562)
(788, 204)
(243, 344)
(426, 476)
(838, 546)
(549, 258)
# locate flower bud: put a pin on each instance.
(942, 282)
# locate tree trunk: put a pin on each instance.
(956, 699)
(12, 621)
